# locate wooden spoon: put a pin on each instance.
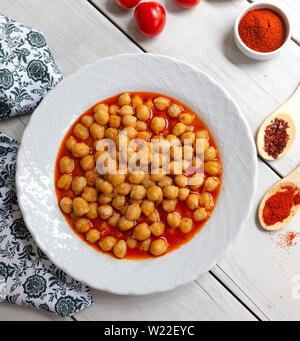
(292, 180)
(289, 112)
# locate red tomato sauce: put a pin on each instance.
(174, 237)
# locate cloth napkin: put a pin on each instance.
(27, 72)
(27, 68)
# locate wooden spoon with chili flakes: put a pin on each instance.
(277, 133)
(291, 181)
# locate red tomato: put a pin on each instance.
(187, 3)
(150, 18)
(127, 4)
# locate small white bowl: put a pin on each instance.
(252, 53)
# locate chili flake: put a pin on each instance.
(276, 137)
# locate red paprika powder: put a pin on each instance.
(278, 207)
(262, 30)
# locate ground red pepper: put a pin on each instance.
(288, 239)
(276, 137)
(278, 207)
(262, 30)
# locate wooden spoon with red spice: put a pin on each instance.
(281, 203)
(277, 134)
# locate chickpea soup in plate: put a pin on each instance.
(138, 175)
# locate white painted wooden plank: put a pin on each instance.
(204, 37)
(261, 266)
(13, 127)
(205, 301)
(292, 7)
(9, 312)
(78, 34)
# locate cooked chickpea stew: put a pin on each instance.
(133, 213)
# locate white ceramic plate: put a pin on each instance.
(52, 120)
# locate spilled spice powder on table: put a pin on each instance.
(288, 239)
(278, 207)
(276, 137)
(262, 30)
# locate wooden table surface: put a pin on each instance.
(258, 279)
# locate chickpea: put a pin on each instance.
(186, 224)
(210, 154)
(124, 188)
(98, 182)
(101, 107)
(70, 143)
(192, 201)
(158, 247)
(118, 202)
(120, 249)
(136, 101)
(64, 182)
(188, 138)
(101, 117)
(107, 243)
(147, 207)
(80, 207)
(131, 132)
(82, 225)
(66, 165)
(106, 187)
(124, 99)
(113, 109)
(175, 167)
(147, 182)
(133, 212)
(143, 113)
(124, 209)
(115, 121)
(171, 192)
(169, 205)
(136, 177)
(186, 118)
(157, 174)
(131, 243)
(197, 163)
(97, 131)
(181, 180)
(90, 194)
(87, 121)
(81, 131)
(126, 110)
(125, 225)
(93, 236)
(116, 179)
(80, 150)
(158, 124)
(161, 103)
(92, 213)
(114, 219)
(87, 163)
(105, 211)
(196, 180)
(129, 121)
(140, 125)
(200, 214)
(66, 204)
(179, 129)
(157, 228)
(105, 198)
(141, 232)
(183, 194)
(91, 177)
(211, 184)
(165, 181)
(154, 216)
(78, 184)
(154, 193)
(149, 104)
(212, 167)
(173, 220)
(138, 192)
(206, 200)
(202, 139)
(174, 110)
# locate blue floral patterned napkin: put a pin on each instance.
(27, 68)
(27, 277)
(27, 72)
